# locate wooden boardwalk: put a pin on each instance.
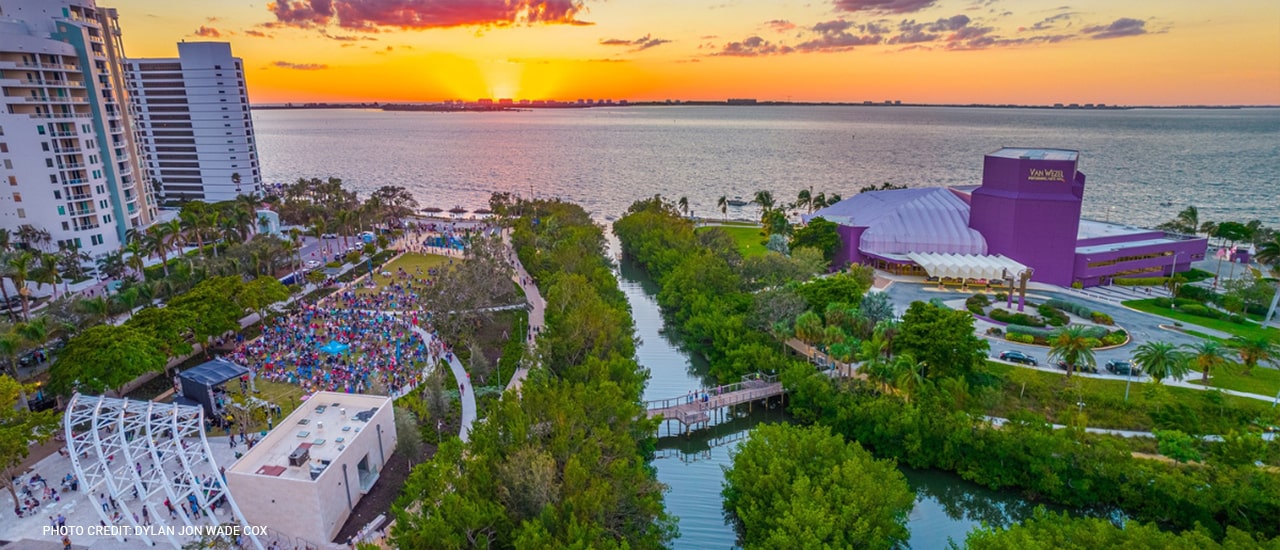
(695, 409)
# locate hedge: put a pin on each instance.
(1142, 281)
(1102, 318)
(1080, 310)
(1020, 338)
(1003, 316)
(1053, 315)
(977, 303)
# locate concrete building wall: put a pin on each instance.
(1156, 260)
(66, 165)
(289, 506)
(1029, 210)
(332, 486)
(195, 123)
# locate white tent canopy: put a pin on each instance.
(967, 266)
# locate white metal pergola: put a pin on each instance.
(967, 266)
(159, 450)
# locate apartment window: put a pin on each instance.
(13, 180)
(65, 226)
(53, 178)
(57, 195)
(4, 147)
(48, 163)
(8, 164)
(39, 129)
(62, 211)
(17, 197)
(102, 203)
(22, 214)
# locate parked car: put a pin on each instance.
(1018, 357)
(312, 264)
(329, 236)
(1123, 368)
(1079, 368)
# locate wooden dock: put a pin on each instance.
(696, 408)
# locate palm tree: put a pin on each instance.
(910, 375)
(804, 199)
(764, 199)
(1269, 254)
(6, 240)
(96, 308)
(137, 258)
(1255, 349)
(5, 270)
(1207, 355)
(19, 271)
(235, 179)
(833, 198)
(193, 219)
(723, 204)
(1070, 344)
(343, 220)
(111, 264)
(47, 272)
(683, 205)
(156, 243)
(818, 201)
(1161, 360)
(127, 299)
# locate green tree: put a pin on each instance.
(169, 325)
(809, 328)
(20, 269)
(1254, 350)
(1207, 355)
(261, 293)
(804, 487)
(408, 435)
(1045, 530)
(1177, 445)
(838, 288)
(1070, 344)
(942, 338)
(20, 431)
(105, 357)
(1161, 360)
(723, 203)
(819, 234)
(213, 306)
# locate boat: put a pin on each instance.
(737, 201)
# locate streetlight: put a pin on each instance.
(1128, 379)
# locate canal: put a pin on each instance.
(947, 507)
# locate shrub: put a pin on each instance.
(1142, 281)
(1237, 319)
(1095, 332)
(1020, 338)
(1080, 310)
(1029, 331)
(1003, 316)
(1077, 285)
(1198, 294)
(1092, 342)
(977, 303)
(1164, 302)
(995, 331)
(1052, 315)
(1102, 318)
(1201, 311)
(1000, 296)
(1115, 338)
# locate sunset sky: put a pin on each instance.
(1165, 52)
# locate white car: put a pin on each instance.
(312, 264)
(329, 236)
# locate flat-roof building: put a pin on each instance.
(306, 476)
(1027, 209)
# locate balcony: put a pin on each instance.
(76, 181)
(68, 133)
(82, 212)
(72, 166)
(86, 227)
(57, 149)
(80, 197)
(61, 115)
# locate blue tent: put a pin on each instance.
(334, 347)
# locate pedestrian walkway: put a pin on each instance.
(537, 309)
(468, 394)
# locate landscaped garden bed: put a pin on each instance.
(1050, 316)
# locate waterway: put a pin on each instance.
(946, 507)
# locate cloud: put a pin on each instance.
(780, 25)
(834, 36)
(300, 66)
(207, 32)
(753, 46)
(258, 34)
(371, 15)
(346, 38)
(643, 43)
(911, 32)
(1051, 22)
(1124, 26)
(884, 6)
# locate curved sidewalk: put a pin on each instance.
(468, 396)
(537, 309)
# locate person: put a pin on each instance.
(66, 542)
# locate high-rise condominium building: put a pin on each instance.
(68, 162)
(194, 123)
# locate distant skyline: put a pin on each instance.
(1173, 52)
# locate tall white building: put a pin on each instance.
(194, 123)
(68, 162)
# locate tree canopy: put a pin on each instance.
(105, 357)
(19, 427)
(804, 487)
(942, 338)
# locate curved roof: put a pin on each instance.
(213, 372)
(902, 221)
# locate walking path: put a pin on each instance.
(998, 421)
(468, 394)
(537, 310)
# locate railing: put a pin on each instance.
(69, 133)
(79, 197)
(71, 166)
(749, 381)
(57, 149)
(60, 115)
(84, 227)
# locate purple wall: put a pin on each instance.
(848, 252)
(1029, 210)
(1188, 251)
(1146, 235)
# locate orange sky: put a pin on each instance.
(1165, 52)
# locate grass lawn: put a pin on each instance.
(1262, 381)
(1248, 330)
(1193, 411)
(410, 262)
(750, 242)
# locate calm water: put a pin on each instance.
(1224, 161)
(946, 506)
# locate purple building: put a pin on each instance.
(1027, 210)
